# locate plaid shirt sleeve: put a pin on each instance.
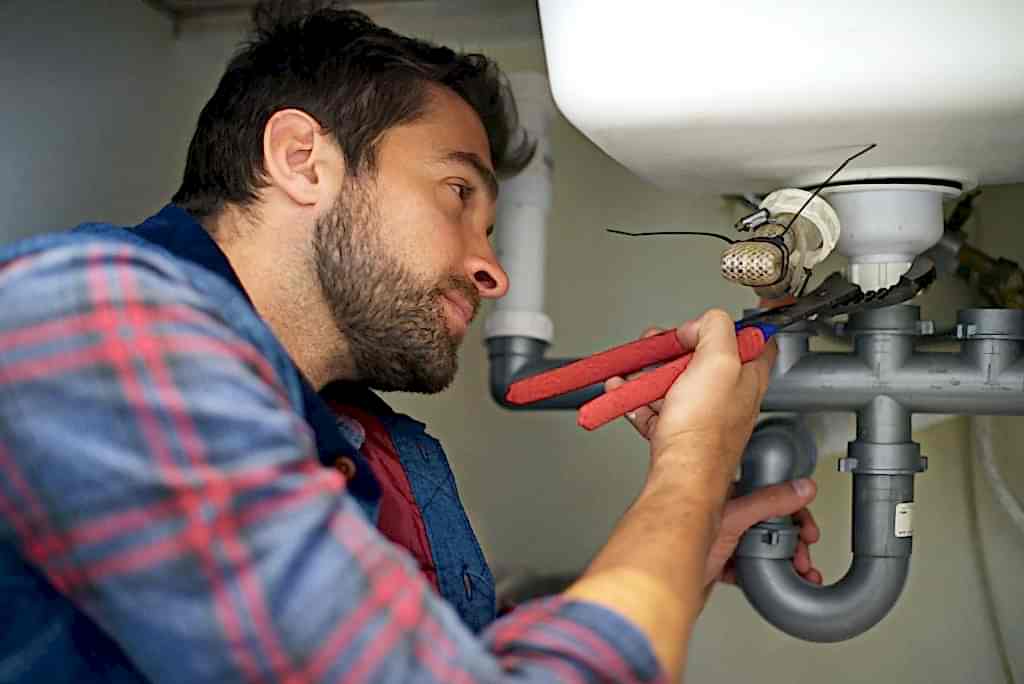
(153, 469)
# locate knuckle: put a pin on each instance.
(718, 317)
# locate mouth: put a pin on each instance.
(460, 309)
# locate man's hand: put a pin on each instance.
(743, 512)
(713, 403)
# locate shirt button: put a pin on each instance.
(346, 466)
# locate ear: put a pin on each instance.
(293, 156)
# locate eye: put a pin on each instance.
(464, 192)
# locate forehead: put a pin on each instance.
(448, 124)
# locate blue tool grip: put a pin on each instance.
(767, 329)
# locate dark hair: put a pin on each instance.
(357, 79)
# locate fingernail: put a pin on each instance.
(802, 487)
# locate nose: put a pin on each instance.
(487, 274)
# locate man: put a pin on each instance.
(170, 394)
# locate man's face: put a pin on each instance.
(403, 258)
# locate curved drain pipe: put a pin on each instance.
(883, 462)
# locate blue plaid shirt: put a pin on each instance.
(164, 516)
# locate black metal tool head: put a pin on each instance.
(920, 275)
(836, 295)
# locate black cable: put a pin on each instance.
(780, 235)
(672, 232)
(825, 183)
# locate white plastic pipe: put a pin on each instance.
(885, 229)
(521, 228)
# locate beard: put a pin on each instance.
(394, 322)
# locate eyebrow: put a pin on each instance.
(472, 159)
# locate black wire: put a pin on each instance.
(780, 235)
(825, 183)
(807, 281)
(672, 232)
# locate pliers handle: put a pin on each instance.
(623, 360)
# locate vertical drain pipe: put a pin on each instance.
(883, 461)
(518, 332)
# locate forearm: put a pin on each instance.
(652, 569)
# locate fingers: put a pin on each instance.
(803, 565)
(786, 498)
(809, 534)
(714, 367)
(802, 559)
(642, 419)
(715, 334)
(759, 371)
(809, 531)
(688, 332)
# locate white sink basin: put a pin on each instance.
(751, 96)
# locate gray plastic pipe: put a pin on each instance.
(986, 377)
(883, 494)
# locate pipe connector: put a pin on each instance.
(867, 458)
(515, 358)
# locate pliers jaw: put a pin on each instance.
(836, 296)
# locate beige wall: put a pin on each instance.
(91, 113)
(543, 495)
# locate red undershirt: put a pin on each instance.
(399, 517)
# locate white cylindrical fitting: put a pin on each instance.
(521, 226)
(885, 228)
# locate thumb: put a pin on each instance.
(785, 498)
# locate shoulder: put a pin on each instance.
(63, 288)
(72, 255)
(74, 276)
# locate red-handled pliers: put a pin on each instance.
(835, 295)
(623, 360)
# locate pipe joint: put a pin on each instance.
(868, 458)
(769, 540)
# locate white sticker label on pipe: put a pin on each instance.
(905, 519)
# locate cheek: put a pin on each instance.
(423, 235)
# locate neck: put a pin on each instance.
(276, 269)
